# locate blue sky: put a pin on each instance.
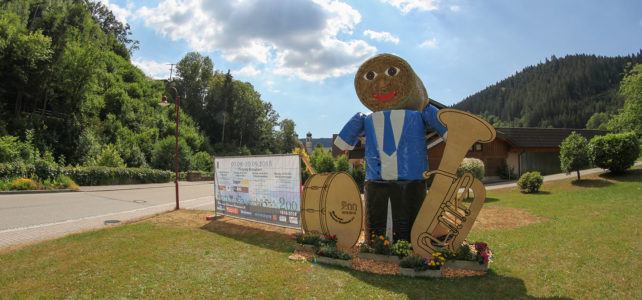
(302, 55)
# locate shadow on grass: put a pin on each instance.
(490, 286)
(591, 183)
(269, 237)
(536, 193)
(488, 200)
(630, 175)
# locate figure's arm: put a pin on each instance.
(348, 137)
(429, 115)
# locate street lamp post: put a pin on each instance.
(177, 103)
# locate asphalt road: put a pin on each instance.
(32, 217)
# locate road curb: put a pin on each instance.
(37, 192)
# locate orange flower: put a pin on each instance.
(381, 237)
(386, 243)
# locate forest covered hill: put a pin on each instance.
(559, 93)
(68, 92)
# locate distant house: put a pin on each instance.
(521, 149)
(309, 143)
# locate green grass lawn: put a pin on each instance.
(589, 247)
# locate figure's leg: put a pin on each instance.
(376, 196)
(405, 209)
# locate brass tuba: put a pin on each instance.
(443, 219)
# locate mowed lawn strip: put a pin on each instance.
(587, 246)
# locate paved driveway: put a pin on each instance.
(26, 218)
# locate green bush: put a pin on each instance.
(107, 176)
(414, 262)
(333, 252)
(615, 152)
(381, 245)
(163, 154)
(530, 182)
(202, 161)
(63, 181)
(308, 239)
(16, 170)
(402, 248)
(473, 166)
(341, 164)
(359, 176)
(13, 150)
(464, 253)
(110, 157)
(5, 184)
(45, 169)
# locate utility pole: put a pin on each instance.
(171, 69)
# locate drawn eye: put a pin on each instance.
(392, 71)
(370, 75)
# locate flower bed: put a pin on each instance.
(473, 257)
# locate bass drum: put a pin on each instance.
(332, 205)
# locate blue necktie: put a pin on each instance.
(389, 146)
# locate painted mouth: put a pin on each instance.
(385, 97)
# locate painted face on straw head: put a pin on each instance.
(387, 82)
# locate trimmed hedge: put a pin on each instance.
(16, 170)
(108, 176)
(85, 175)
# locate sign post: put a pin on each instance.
(263, 189)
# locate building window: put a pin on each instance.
(478, 147)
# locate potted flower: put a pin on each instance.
(306, 242)
(329, 254)
(329, 240)
(471, 257)
(414, 266)
(381, 249)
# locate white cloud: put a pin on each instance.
(455, 8)
(431, 43)
(247, 71)
(407, 5)
(120, 13)
(381, 36)
(154, 69)
(296, 38)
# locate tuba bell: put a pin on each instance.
(443, 219)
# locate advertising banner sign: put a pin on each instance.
(265, 189)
